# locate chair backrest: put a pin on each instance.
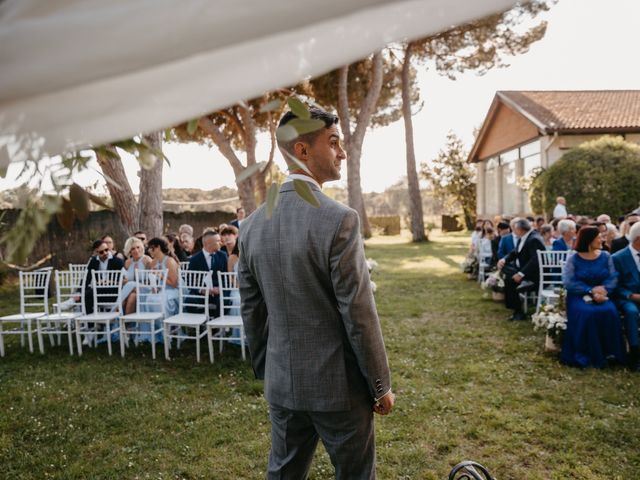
(184, 265)
(550, 264)
(194, 290)
(150, 286)
(68, 284)
(34, 291)
(107, 285)
(80, 269)
(229, 291)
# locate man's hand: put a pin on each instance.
(385, 404)
(599, 290)
(635, 297)
(517, 278)
(501, 263)
(214, 291)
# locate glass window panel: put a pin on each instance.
(531, 163)
(491, 187)
(492, 163)
(529, 149)
(508, 157)
(510, 189)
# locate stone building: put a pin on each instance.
(525, 130)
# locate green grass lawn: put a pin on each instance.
(470, 385)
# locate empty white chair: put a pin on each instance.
(150, 292)
(62, 321)
(193, 312)
(106, 286)
(550, 265)
(34, 303)
(229, 314)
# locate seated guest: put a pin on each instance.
(560, 210)
(594, 334)
(485, 251)
(102, 260)
(567, 231)
(185, 228)
(476, 235)
(210, 258)
(627, 295)
(175, 248)
(503, 229)
(539, 223)
(521, 264)
(507, 242)
(187, 243)
(603, 218)
(240, 214)
(229, 236)
(112, 247)
(622, 242)
(546, 232)
(602, 233)
(137, 260)
(140, 235)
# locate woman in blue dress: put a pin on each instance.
(136, 260)
(594, 333)
(162, 260)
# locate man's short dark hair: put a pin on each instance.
(317, 113)
(96, 244)
(209, 233)
(239, 208)
(503, 226)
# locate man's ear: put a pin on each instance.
(301, 150)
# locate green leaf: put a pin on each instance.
(286, 133)
(297, 163)
(250, 171)
(272, 198)
(272, 106)
(298, 108)
(65, 215)
(3, 170)
(167, 135)
(192, 126)
(79, 199)
(306, 126)
(304, 191)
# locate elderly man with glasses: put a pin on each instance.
(101, 260)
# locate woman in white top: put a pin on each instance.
(136, 260)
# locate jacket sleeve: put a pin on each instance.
(530, 269)
(352, 287)
(254, 315)
(622, 292)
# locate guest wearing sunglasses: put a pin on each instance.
(101, 260)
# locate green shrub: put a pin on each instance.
(599, 176)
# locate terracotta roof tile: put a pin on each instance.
(589, 110)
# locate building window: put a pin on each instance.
(491, 185)
(510, 190)
(531, 160)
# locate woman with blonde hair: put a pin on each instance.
(136, 260)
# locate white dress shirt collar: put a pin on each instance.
(299, 176)
(634, 254)
(523, 239)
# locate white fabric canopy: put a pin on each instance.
(87, 72)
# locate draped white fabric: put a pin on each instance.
(87, 72)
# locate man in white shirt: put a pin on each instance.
(561, 210)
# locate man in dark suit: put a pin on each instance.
(310, 318)
(211, 258)
(521, 265)
(627, 294)
(102, 260)
(240, 214)
(619, 243)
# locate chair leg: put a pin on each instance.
(40, 339)
(244, 357)
(79, 339)
(123, 329)
(152, 327)
(30, 334)
(22, 334)
(108, 330)
(198, 343)
(52, 338)
(210, 344)
(1, 341)
(70, 336)
(166, 342)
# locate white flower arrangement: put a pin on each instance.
(552, 318)
(470, 264)
(494, 282)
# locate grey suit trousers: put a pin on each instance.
(348, 437)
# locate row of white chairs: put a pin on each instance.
(192, 321)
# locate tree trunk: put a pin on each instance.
(150, 199)
(355, 139)
(415, 199)
(124, 202)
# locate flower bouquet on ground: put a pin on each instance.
(553, 318)
(470, 266)
(495, 283)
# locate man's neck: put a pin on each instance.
(302, 175)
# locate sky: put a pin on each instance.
(589, 45)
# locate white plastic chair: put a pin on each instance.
(184, 265)
(34, 303)
(150, 299)
(106, 286)
(229, 304)
(550, 264)
(194, 295)
(62, 322)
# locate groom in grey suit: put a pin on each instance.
(311, 320)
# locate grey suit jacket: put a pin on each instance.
(307, 306)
